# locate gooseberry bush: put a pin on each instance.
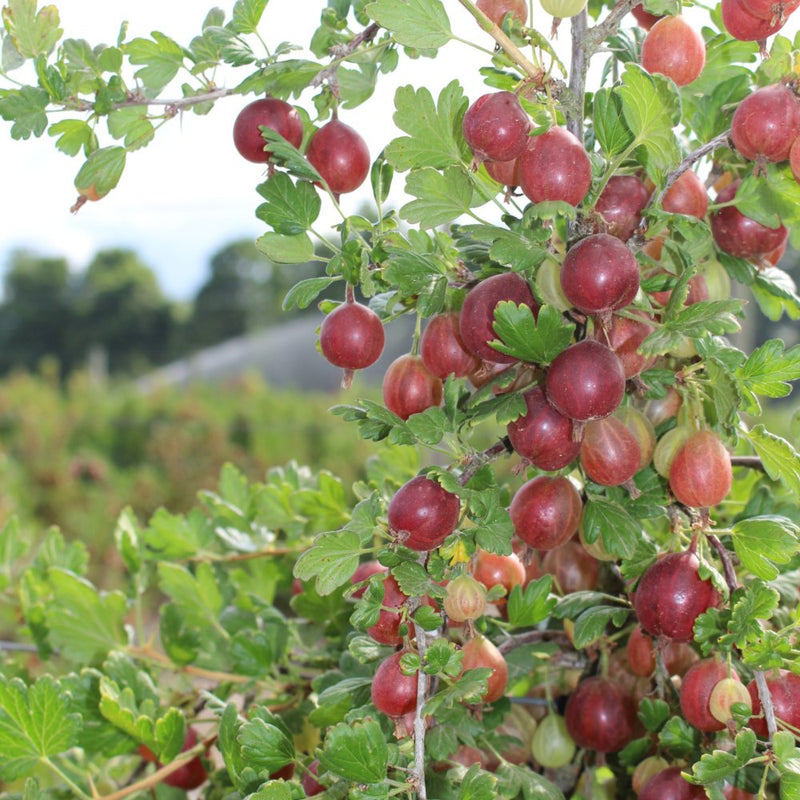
(571, 567)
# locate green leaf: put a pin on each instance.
(679, 737)
(430, 426)
(612, 133)
(12, 548)
(781, 461)
(754, 602)
(198, 595)
(281, 249)
(420, 24)
(247, 15)
(131, 125)
(720, 764)
(412, 578)
(303, 293)
(441, 197)
(772, 200)
(532, 605)
(611, 521)
(653, 714)
(427, 618)
(356, 752)
(25, 108)
(177, 536)
(179, 637)
(161, 56)
(517, 250)
(477, 784)
(73, 135)
(537, 341)
(763, 542)
(32, 32)
(101, 171)
(272, 790)
(331, 560)
(592, 623)
(291, 209)
(769, 369)
(84, 623)
(651, 107)
(265, 746)
(35, 723)
(435, 138)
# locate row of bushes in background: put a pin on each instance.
(74, 456)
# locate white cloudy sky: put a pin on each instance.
(188, 192)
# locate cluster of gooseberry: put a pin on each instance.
(337, 151)
(585, 423)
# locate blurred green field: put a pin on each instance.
(75, 455)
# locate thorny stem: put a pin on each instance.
(766, 703)
(172, 107)
(579, 65)
(153, 656)
(158, 776)
(531, 637)
(536, 74)
(723, 139)
(419, 716)
(479, 459)
(342, 51)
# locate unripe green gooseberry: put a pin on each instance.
(667, 448)
(465, 600)
(548, 286)
(718, 282)
(552, 746)
(724, 695)
(646, 769)
(563, 8)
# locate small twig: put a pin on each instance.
(596, 35)
(727, 563)
(494, 452)
(766, 703)
(531, 637)
(723, 139)
(536, 74)
(18, 647)
(158, 776)
(751, 462)
(172, 106)
(341, 51)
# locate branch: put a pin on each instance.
(148, 654)
(766, 703)
(579, 64)
(171, 107)
(751, 462)
(536, 74)
(498, 449)
(723, 139)
(419, 717)
(531, 637)
(341, 51)
(158, 776)
(596, 35)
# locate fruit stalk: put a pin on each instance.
(721, 140)
(727, 564)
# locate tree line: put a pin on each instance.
(115, 304)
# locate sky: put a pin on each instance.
(189, 192)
